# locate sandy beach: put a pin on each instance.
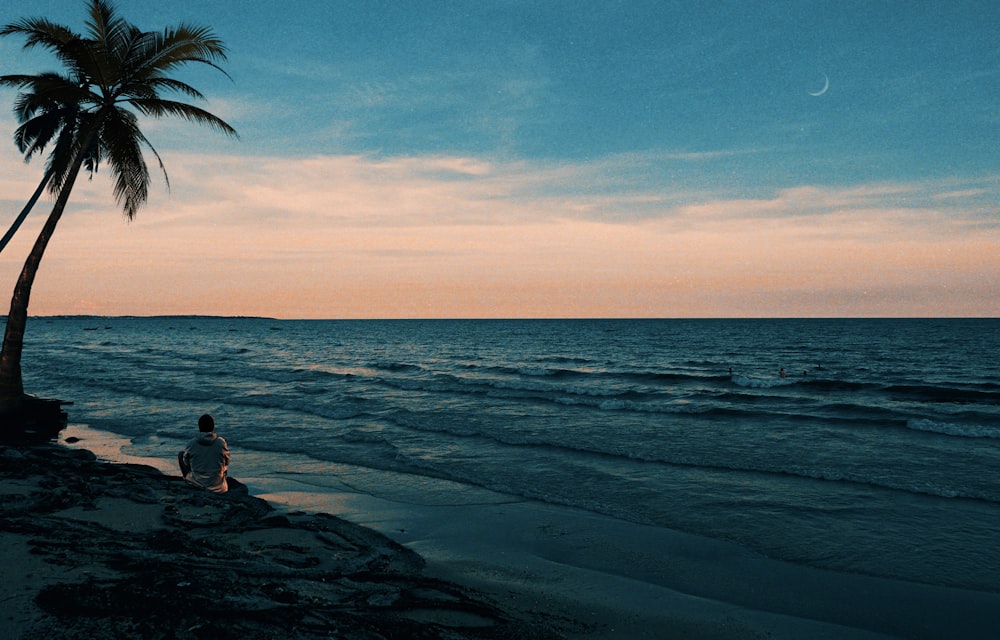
(93, 548)
(98, 550)
(606, 580)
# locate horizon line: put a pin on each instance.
(183, 316)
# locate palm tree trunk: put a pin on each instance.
(25, 211)
(11, 384)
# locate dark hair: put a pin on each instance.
(206, 423)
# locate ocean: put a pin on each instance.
(875, 453)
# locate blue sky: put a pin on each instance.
(654, 119)
(913, 92)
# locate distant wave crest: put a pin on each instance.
(761, 383)
(986, 394)
(952, 429)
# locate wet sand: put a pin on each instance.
(98, 549)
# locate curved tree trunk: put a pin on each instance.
(25, 211)
(11, 385)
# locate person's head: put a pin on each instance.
(206, 424)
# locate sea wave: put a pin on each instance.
(954, 429)
(775, 474)
(644, 422)
(388, 365)
(754, 382)
(935, 393)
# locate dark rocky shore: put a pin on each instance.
(98, 550)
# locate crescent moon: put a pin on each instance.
(826, 85)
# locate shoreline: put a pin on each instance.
(112, 550)
(563, 572)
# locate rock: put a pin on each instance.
(173, 561)
(33, 420)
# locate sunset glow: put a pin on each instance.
(788, 204)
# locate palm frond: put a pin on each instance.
(16, 81)
(40, 32)
(180, 45)
(153, 85)
(162, 108)
(156, 154)
(47, 91)
(34, 135)
(64, 43)
(76, 140)
(105, 27)
(121, 140)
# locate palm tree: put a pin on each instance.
(53, 121)
(88, 113)
(14, 226)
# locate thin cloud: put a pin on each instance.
(401, 191)
(436, 188)
(314, 234)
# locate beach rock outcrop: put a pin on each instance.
(122, 551)
(32, 420)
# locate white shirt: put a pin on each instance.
(208, 457)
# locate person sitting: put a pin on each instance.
(204, 461)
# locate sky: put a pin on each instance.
(416, 159)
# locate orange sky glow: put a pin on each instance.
(358, 237)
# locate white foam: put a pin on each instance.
(756, 382)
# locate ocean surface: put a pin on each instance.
(878, 452)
